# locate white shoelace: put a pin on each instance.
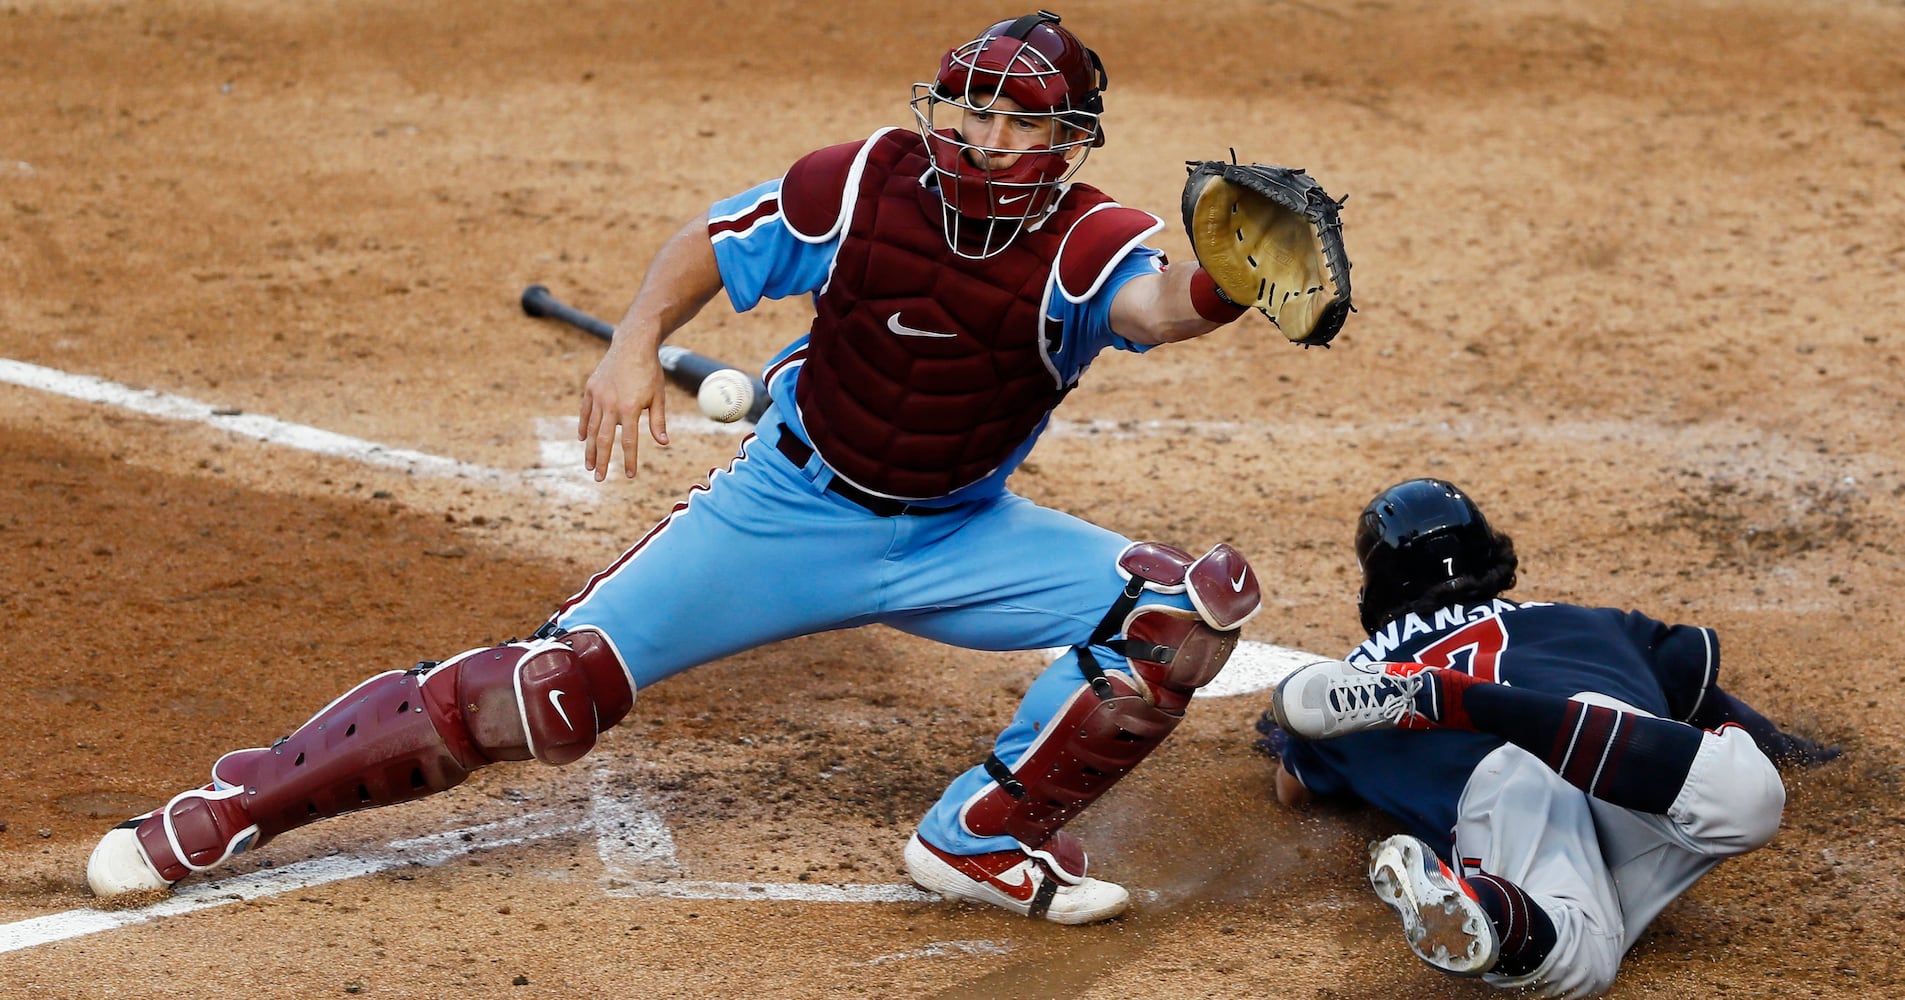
(1377, 697)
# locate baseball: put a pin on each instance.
(726, 395)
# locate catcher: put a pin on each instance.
(1564, 772)
(961, 287)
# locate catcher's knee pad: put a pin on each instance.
(545, 698)
(404, 734)
(537, 698)
(1173, 651)
(1116, 718)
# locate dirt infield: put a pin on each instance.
(1633, 274)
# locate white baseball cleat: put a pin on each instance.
(1443, 924)
(119, 865)
(1033, 885)
(1331, 698)
(199, 829)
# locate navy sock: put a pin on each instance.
(1526, 932)
(1634, 761)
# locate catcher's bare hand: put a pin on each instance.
(1271, 238)
(625, 384)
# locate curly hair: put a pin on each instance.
(1472, 588)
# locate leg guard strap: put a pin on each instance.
(1002, 774)
(1078, 756)
(1042, 899)
(1173, 652)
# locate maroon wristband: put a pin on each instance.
(1209, 300)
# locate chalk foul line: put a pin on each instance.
(633, 841)
(429, 851)
(271, 430)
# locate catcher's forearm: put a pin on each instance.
(681, 279)
(1163, 308)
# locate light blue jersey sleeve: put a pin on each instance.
(759, 257)
(1087, 324)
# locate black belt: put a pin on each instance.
(798, 453)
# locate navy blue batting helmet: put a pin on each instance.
(1416, 536)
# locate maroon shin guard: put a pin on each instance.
(398, 736)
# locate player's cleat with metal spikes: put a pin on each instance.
(1444, 925)
(1331, 698)
(1036, 885)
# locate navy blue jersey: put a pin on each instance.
(1418, 776)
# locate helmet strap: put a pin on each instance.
(1022, 28)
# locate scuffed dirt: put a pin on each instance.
(1632, 273)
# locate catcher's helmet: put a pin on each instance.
(1415, 536)
(1046, 71)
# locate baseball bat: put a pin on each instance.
(682, 366)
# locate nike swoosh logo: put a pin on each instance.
(1020, 890)
(1008, 201)
(1237, 585)
(901, 329)
(555, 698)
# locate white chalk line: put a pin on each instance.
(274, 431)
(634, 843)
(428, 851)
(801, 892)
(638, 859)
(630, 838)
(939, 949)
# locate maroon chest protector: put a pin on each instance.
(925, 370)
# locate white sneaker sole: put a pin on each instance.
(1443, 926)
(118, 865)
(1085, 903)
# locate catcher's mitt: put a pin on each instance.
(1271, 238)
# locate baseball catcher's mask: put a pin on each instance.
(1049, 74)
